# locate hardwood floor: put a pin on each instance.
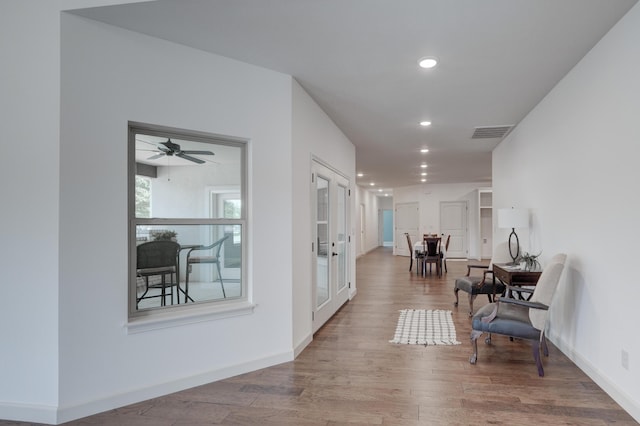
(351, 374)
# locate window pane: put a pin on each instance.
(180, 171)
(206, 264)
(186, 207)
(143, 197)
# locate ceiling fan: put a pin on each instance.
(171, 149)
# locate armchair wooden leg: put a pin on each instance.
(535, 347)
(474, 342)
(455, 292)
(545, 348)
(472, 297)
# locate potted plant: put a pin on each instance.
(529, 262)
(164, 235)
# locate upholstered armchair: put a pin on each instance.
(519, 318)
(482, 283)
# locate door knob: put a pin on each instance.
(334, 253)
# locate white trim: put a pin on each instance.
(193, 315)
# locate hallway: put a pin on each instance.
(351, 374)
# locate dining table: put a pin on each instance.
(420, 247)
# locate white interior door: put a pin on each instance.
(407, 219)
(453, 221)
(330, 219)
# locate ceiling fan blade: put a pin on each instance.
(198, 152)
(155, 157)
(147, 142)
(187, 157)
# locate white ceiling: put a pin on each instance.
(358, 60)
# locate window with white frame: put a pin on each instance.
(187, 242)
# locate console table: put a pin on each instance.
(513, 276)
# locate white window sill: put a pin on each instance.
(159, 320)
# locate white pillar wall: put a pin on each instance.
(71, 86)
(573, 162)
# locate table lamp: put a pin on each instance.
(513, 218)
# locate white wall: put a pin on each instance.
(429, 197)
(573, 162)
(110, 76)
(70, 354)
(30, 114)
(314, 136)
(29, 83)
(385, 203)
(369, 200)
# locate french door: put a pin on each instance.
(330, 218)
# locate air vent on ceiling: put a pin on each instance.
(491, 132)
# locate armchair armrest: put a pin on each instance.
(520, 289)
(534, 305)
(476, 266)
(494, 312)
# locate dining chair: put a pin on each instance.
(520, 318)
(157, 259)
(212, 258)
(443, 253)
(432, 254)
(413, 253)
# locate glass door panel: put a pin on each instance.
(341, 240)
(322, 233)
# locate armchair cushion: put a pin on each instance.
(511, 320)
(478, 285)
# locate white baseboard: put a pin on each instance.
(58, 415)
(297, 350)
(617, 394)
(28, 413)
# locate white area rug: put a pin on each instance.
(425, 327)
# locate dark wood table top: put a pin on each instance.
(512, 275)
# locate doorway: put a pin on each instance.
(330, 218)
(385, 231)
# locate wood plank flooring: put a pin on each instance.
(350, 373)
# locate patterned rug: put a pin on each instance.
(425, 327)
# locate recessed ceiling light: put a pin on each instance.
(428, 62)
(424, 166)
(424, 150)
(423, 180)
(360, 174)
(379, 189)
(386, 195)
(425, 123)
(423, 174)
(372, 184)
